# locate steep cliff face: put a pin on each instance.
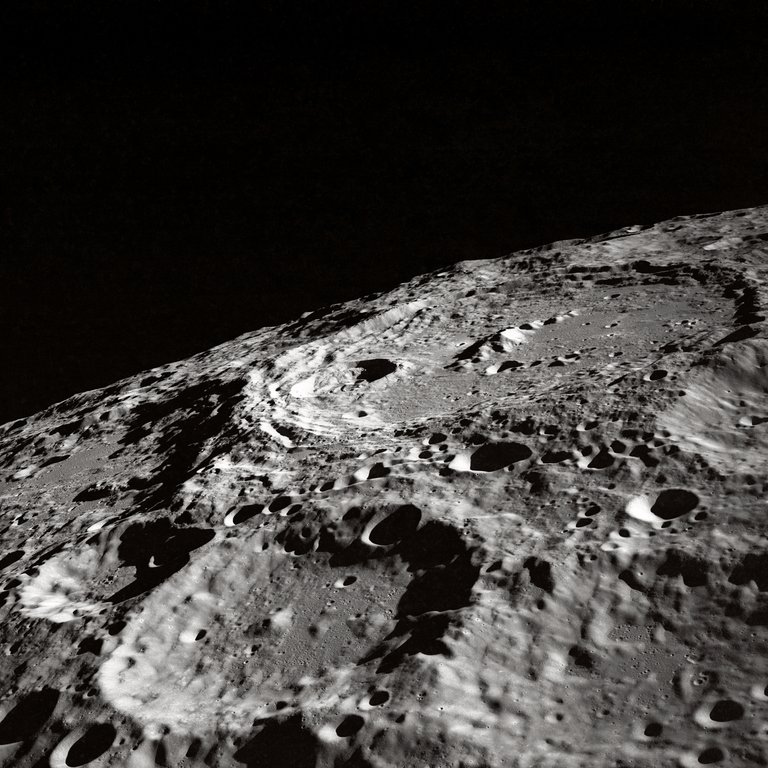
(510, 513)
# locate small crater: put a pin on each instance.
(353, 513)
(378, 698)
(26, 719)
(629, 578)
(581, 657)
(540, 572)
(711, 755)
(726, 710)
(602, 460)
(280, 503)
(95, 491)
(116, 628)
(653, 730)
(92, 744)
(401, 523)
(247, 512)
(375, 369)
(706, 678)
(555, 457)
(674, 503)
(753, 567)
(280, 743)
(349, 726)
(693, 570)
(378, 470)
(492, 457)
(645, 454)
(90, 645)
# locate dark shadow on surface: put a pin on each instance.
(287, 743)
(92, 744)
(28, 716)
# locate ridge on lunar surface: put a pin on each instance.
(510, 513)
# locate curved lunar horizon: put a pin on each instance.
(510, 513)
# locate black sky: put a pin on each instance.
(175, 174)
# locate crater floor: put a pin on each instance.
(511, 513)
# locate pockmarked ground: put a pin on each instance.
(511, 513)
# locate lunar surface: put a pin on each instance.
(510, 513)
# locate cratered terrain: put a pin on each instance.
(510, 513)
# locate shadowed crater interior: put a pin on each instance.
(286, 743)
(375, 369)
(28, 716)
(494, 456)
(753, 567)
(674, 502)
(445, 573)
(401, 523)
(92, 744)
(156, 550)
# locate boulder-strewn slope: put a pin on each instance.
(510, 513)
